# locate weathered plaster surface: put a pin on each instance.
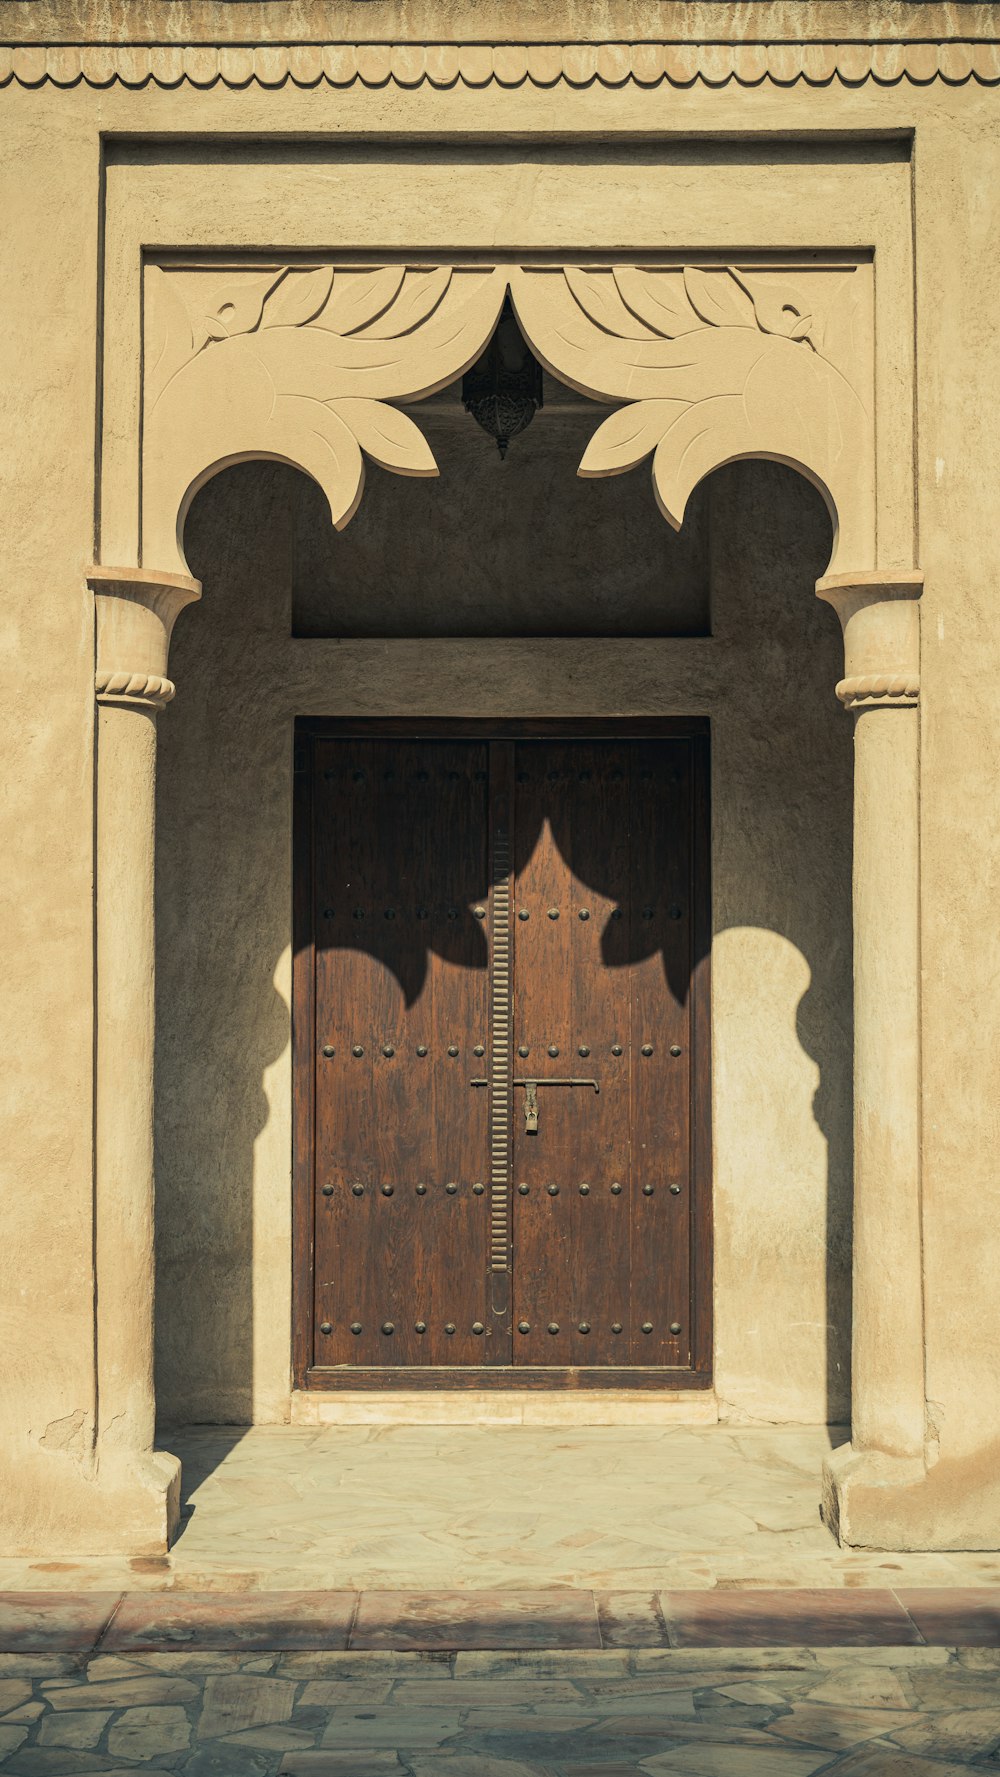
(958, 177)
(46, 735)
(805, 165)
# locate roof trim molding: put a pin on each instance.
(443, 65)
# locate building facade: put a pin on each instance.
(486, 776)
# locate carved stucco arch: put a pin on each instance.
(710, 364)
(702, 364)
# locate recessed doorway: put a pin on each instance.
(501, 1055)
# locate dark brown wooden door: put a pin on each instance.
(501, 1059)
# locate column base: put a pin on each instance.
(895, 1503)
(125, 1503)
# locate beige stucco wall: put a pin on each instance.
(946, 141)
(781, 897)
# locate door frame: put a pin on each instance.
(695, 729)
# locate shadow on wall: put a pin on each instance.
(222, 900)
(781, 891)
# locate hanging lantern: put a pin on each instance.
(503, 389)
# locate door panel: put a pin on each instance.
(601, 1250)
(571, 1247)
(660, 1085)
(475, 914)
(402, 998)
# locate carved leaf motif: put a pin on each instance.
(298, 299)
(718, 297)
(774, 401)
(659, 299)
(311, 435)
(628, 436)
(419, 296)
(170, 339)
(835, 334)
(389, 436)
(237, 307)
(315, 361)
(357, 301)
(598, 296)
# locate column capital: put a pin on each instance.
(136, 612)
(879, 615)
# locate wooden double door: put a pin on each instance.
(501, 1057)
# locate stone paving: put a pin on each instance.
(502, 1601)
(788, 1712)
(435, 1508)
(92, 1622)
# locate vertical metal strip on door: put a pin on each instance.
(501, 1061)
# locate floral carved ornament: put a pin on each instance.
(306, 366)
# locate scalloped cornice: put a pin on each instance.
(442, 65)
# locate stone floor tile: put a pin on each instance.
(772, 1618)
(962, 1734)
(101, 1666)
(881, 1759)
(955, 1616)
(12, 1735)
(479, 1764)
(60, 1622)
(265, 1620)
(548, 1721)
(881, 1656)
(705, 1680)
(55, 1761)
(954, 1687)
(476, 1620)
(343, 1764)
(724, 1712)
(733, 1761)
(862, 1687)
(981, 1659)
(77, 1727)
(24, 1665)
(202, 1662)
(603, 1769)
(13, 1691)
(220, 1760)
(242, 1701)
(276, 1739)
(125, 1693)
(369, 1664)
(333, 1693)
(573, 1663)
(630, 1619)
(768, 1695)
(825, 1724)
(686, 1728)
(482, 1693)
(148, 1732)
(727, 1661)
(665, 1702)
(389, 1729)
(27, 1712)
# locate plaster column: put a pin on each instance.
(880, 618)
(136, 610)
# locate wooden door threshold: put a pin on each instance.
(512, 1406)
